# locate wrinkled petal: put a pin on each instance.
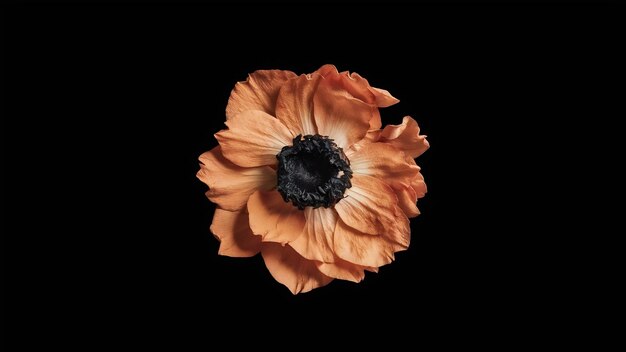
(340, 116)
(232, 230)
(375, 122)
(373, 135)
(409, 194)
(253, 138)
(358, 87)
(407, 199)
(370, 206)
(405, 137)
(294, 107)
(258, 92)
(361, 89)
(230, 185)
(383, 97)
(274, 219)
(364, 249)
(419, 186)
(417, 182)
(291, 269)
(343, 270)
(383, 161)
(327, 70)
(316, 240)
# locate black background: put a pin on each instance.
(108, 108)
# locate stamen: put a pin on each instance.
(313, 172)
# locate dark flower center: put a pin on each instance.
(313, 172)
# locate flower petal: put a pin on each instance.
(405, 137)
(273, 218)
(383, 161)
(419, 186)
(327, 70)
(232, 230)
(375, 122)
(253, 138)
(373, 135)
(339, 115)
(316, 240)
(294, 107)
(357, 86)
(409, 194)
(361, 89)
(291, 269)
(258, 92)
(407, 199)
(383, 97)
(231, 185)
(370, 206)
(343, 270)
(364, 249)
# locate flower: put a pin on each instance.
(305, 175)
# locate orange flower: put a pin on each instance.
(305, 175)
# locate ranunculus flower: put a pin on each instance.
(305, 175)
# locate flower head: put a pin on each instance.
(305, 175)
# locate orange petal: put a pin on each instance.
(273, 218)
(291, 269)
(387, 163)
(232, 230)
(373, 135)
(340, 116)
(253, 138)
(383, 97)
(407, 197)
(294, 107)
(316, 241)
(358, 87)
(343, 270)
(405, 137)
(375, 123)
(327, 70)
(258, 92)
(367, 93)
(419, 186)
(363, 249)
(383, 161)
(370, 206)
(231, 185)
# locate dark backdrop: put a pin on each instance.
(108, 108)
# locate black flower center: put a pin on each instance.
(313, 172)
